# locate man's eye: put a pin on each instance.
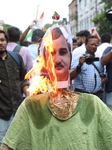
(2, 40)
(63, 52)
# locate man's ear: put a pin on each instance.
(83, 39)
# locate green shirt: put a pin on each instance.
(35, 128)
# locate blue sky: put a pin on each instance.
(21, 13)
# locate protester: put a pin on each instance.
(61, 119)
(86, 70)
(107, 60)
(36, 39)
(14, 35)
(105, 42)
(12, 84)
(81, 37)
(74, 44)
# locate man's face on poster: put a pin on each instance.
(61, 58)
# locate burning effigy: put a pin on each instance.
(51, 73)
(47, 72)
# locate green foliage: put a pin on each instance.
(46, 26)
(6, 26)
(101, 21)
(55, 13)
(107, 2)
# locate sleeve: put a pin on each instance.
(18, 131)
(107, 50)
(105, 127)
(101, 67)
(91, 107)
(74, 63)
(104, 122)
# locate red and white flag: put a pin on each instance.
(40, 22)
(41, 16)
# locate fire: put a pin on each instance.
(42, 76)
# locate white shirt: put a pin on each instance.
(102, 47)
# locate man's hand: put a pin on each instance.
(81, 60)
(104, 80)
(33, 23)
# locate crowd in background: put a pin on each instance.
(90, 72)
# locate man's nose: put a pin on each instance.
(57, 58)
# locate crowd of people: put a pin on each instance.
(78, 114)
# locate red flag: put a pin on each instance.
(42, 15)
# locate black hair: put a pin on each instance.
(74, 40)
(84, 33)
(37, 35)
(13, 34)
(56, 33)
(106, 37)
(5, 34)
(90, 37)
(25, 43)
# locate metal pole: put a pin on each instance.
(37, 12)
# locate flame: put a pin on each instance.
(42, 76)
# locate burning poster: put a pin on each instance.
(51, 70)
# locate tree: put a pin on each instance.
(46, 26)
(101, 21)
(6, 26)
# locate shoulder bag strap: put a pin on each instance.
(17, 49)
(96, 68)
(15, 57)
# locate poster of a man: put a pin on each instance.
(61, 56)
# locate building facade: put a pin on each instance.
(85, 12)
(73, 17)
